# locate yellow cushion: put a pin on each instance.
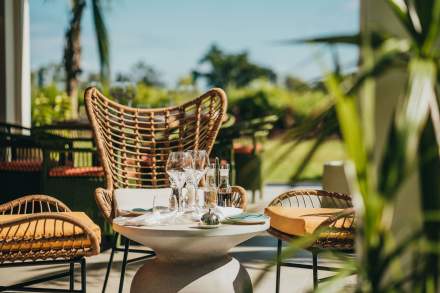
(46, 234)
(298, 221)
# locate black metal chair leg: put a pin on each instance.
(279, 246)
(110, 262)
(315, 269)
(124, 264)
(83, 275)
(72, 276)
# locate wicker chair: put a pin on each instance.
(41, 230)
(309, 216)
(134, 144)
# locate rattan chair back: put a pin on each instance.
(134, 143)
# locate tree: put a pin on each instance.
(294, 83)
(72, 48)
(142, 73)
(146, 74)
(231, 69)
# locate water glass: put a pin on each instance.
(175, 170)
(200, 162)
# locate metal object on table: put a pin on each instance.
(210, 218)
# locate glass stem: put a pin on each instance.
(196, 197)
(180, 200)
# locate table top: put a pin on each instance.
(191, 230)
(188, 242)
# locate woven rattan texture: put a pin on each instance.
(337, 232)
(48, 212)
(134, 143)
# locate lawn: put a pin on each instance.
(281, 160)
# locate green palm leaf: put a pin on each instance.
(103, 41)
(401, 10)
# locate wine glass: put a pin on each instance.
(200, 162)
(175, 171)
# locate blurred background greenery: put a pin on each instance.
(253, 92)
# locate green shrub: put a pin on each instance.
(49, 105)
(262, 98)
(152, 97)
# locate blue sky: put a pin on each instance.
(172, 35)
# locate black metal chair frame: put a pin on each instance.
(28, 286)
(126, 249)
(314, 266)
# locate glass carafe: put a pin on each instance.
(210, 189)
(224, 188)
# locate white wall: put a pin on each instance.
(17, 62)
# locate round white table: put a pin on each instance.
(191, 259)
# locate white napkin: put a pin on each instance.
(173, 218)
(152, 219)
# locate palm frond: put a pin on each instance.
(431, 12)
(402, 11)
(344, 39)
(392, 53)
(410, 120)
(102, 39)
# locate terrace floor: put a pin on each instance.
(254, 254)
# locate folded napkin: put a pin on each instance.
(246, 219)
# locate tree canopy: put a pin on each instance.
(231, 69)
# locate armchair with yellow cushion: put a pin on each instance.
(305, 212)
(41, 230)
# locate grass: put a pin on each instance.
(281, 160)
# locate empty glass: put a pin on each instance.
(200, 162)
(175, 170)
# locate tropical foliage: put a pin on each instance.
(388, 262)
(49, 105)
(228, 70)
(72, 48)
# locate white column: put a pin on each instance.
(9, 61)
(25, 82)
(17, 62)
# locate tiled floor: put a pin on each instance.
(253, 254)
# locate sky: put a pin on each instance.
(173, 35)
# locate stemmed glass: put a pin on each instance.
(175, 170)
(200, 162)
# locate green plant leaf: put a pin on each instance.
(410, 120)
(401, 11)
(349, 122)
(322, 136)
(392, 53)
(430, 16)
(348, 39)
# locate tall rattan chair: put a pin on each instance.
(40, 230)
(308, 215)
(134, 145)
